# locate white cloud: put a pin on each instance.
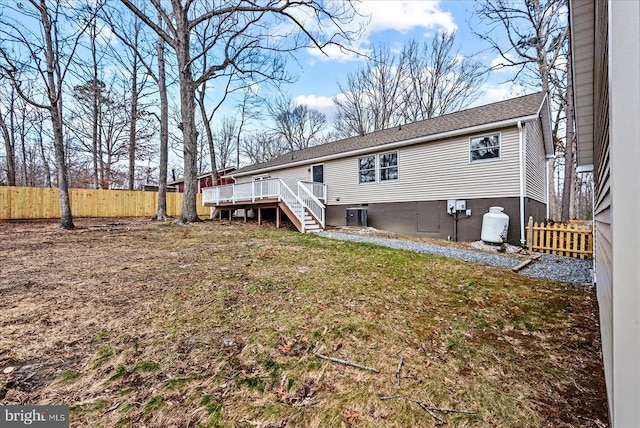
(389, 15)
(501, 65)
(336, 53)
(322, 104)
(403, 16)
(494, 92)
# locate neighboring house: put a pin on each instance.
(606, 60)
(493, 155)
(206, 180)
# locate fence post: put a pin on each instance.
(530, 233)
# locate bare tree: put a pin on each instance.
(298, 125)
(8, 132)
(535, 33)
(161, 212)
(247, 112)
(225, 140)
(261, 147)
(370, 98)
(135, 95)
(422, 81)
(120, 26)
(40, 48)
(439, 79)
(535, 47)
(241, 39)
(9, 149)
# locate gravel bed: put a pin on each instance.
(548, 266)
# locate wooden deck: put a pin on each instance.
(226, 209)
(303, 207)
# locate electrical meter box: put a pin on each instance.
(451, 206)
(456, 205)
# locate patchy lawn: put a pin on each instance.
(138, 323)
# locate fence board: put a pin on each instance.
(569, 240)
(43, 202)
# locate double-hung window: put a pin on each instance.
(484, 148)
(388, 166)
(367, 169)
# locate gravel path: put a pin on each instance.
(548, 266)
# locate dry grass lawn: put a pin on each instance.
(145, 324)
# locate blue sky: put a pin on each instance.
(394, 22)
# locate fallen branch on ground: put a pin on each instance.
(347, 363)
(428, 409)
(398, 371)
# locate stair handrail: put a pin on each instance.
(294, 203)
(311, 202)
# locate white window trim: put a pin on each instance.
(499, 134)
(375, 169)
(379, 168)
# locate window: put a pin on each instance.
(317, 173)
(367, 169)
(388, 166)
(486, 147)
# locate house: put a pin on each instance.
(206, 180)
(606, 62)
(493, 155)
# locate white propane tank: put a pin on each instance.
(495, 225)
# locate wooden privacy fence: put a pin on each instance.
(569, 240)
(42, 202)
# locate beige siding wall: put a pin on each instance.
(289, 175)
(535, 162)
(431, 171)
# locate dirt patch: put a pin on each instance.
(140, 323)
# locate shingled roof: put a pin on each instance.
(524, 106)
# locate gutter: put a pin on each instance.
(424, 139)
(523, 241)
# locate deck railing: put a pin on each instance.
(569, 240)
(293, 202)
(311, 201)
(319, 190)
(271, 188)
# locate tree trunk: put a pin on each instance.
(207, 128)
(9, 150)
(161, 212)
(45, 161)
(134, 116)
(568, 150)
(190, 147)
(23, 146)
(66, 219)
(188, 126)
(55, 110)
(95, 93)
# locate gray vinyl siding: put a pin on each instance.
(535, 162)
(431, 171)
(602, 209)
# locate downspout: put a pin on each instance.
(546, 186)
(523, 241)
